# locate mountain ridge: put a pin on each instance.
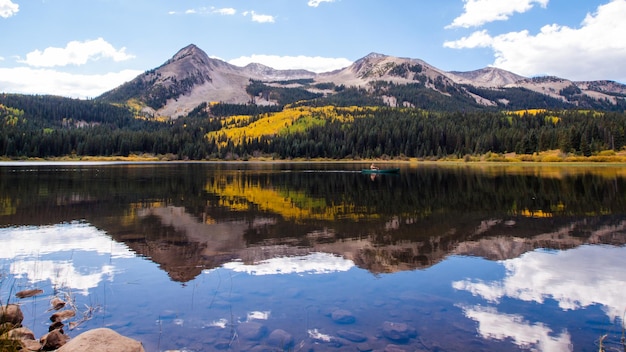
(191, 78)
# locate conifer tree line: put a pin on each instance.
(47, 126)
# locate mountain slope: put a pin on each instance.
(191, 78)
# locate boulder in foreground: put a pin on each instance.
(102, 340)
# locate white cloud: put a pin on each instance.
(499, 326)
(29, 247)
(316, 3)
(562, 277)
(8, 8)
(260, 18)
(593, 51)
(479, 12)
(314, 263)
(226, 11)
(27, 80)
(76, 53)
(314, 64)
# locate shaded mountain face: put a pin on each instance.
(191, 78)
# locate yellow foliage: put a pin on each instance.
(527, 112)
(242, 128)
(535, 213)
(240, 194)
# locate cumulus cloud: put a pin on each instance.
(562, 277)
(226, 11)
(75, 53)
(316, 3)
(589, 52)
(537, 337)
(310, 63)
(8, 8)
(28, 80)
(256, 17)
(479, 12)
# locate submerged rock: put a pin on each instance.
(102, 340)
(352, 335)
(280, 338)
(57, 303)
(398, 332)
(342, 316)
(62, 315)
(251, 331)
(28, 293)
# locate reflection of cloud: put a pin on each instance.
(314, 263)
(257, 315)
(36, 241)
(494, 325)
(575, 278)
(61, 274)
(28, 248)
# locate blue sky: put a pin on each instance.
(82, 48)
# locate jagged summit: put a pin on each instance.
(189, 50)
(191, 78)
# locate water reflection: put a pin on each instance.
(563, 277)
(464, 258)
(52, 254)
(526, 335)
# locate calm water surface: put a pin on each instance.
(319, 257)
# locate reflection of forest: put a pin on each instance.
(188, 217)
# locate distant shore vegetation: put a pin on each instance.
(55, 128)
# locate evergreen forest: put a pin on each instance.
(347, 125)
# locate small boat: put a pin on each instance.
(381, 171)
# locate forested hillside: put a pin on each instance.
(48, 127)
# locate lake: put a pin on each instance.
(318, 256)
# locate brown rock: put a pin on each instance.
(399, 332)
(57, 303)
(31, 345)
(62, 315)
(56, 325)
(53, 340)
(102, 340)
(28, 293)
(21, 334)
(25, 337)
(11, 313)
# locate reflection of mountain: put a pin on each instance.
(189, 217)
(186, 244)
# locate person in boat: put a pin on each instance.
(374, 167)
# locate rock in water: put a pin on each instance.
(11, 313)
(57, 303)
(398, 332)
(53, 340)
(280, 338)
(62, 315)
(342, 316)
(102, 340)
(28, 293)
(252, 331)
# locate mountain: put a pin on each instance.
(191, 78)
